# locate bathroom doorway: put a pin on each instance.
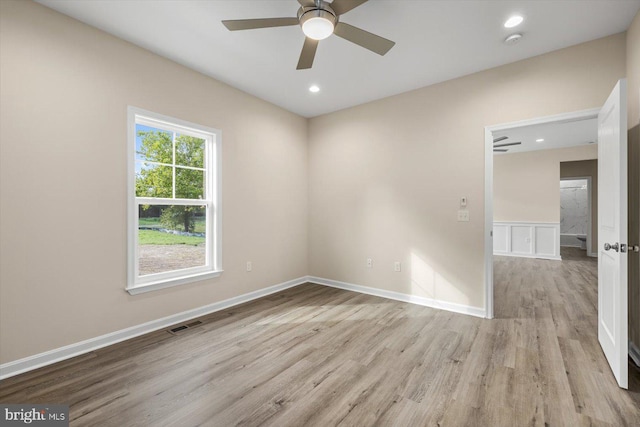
(576, 214)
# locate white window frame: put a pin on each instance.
(138, 284)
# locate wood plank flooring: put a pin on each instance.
(318, 356)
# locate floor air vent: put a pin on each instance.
(182, 328)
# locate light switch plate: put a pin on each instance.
(463, 216)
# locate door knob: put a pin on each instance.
(607, 247)
(634, 248)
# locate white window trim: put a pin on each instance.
(154, 282)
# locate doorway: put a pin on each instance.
(612, 274)
(576, 209)
(490, 146)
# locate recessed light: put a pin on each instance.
(540, 140)
(314, 89)
(514, 21)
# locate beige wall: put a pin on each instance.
(65, 90)
(581, 169)
(526, 186)
(386, 177)
(633, 84)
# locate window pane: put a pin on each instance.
(154, 145)
(190, 151)
(171, 238)
(189, 183)
(153, 180)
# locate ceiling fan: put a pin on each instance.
(319, 19)
(499, 148)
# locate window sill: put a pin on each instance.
(168, 283)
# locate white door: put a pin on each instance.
(612, 232)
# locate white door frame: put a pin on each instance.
(488, 186)
(589, 206)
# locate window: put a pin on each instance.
(174, 202)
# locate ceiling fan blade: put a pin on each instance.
(500, 138)
(507, 144)
(307, 54)
(344, 6)
(363, 38)
(500, 150)
(251, 24)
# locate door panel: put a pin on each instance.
(612, 232)
(608, 266)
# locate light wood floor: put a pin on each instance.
(317, 356)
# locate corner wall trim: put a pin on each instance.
(413, 299)
(59, 354)
(634, 353)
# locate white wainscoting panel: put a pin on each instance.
(527, 239)
(500, 238)
(546, 241)
(521, 239)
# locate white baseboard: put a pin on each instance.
(59, 354)
(634, 353)
(413, 299)
(56, 355)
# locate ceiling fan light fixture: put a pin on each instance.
(317, 24)
(317, 28)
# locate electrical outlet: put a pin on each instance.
(397, 267)
(369, 263)
(463, 216)
(249, 266)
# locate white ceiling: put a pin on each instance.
(436, 40)
(555, 135)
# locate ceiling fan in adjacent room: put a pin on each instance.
(499, 148)
(319, 19)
